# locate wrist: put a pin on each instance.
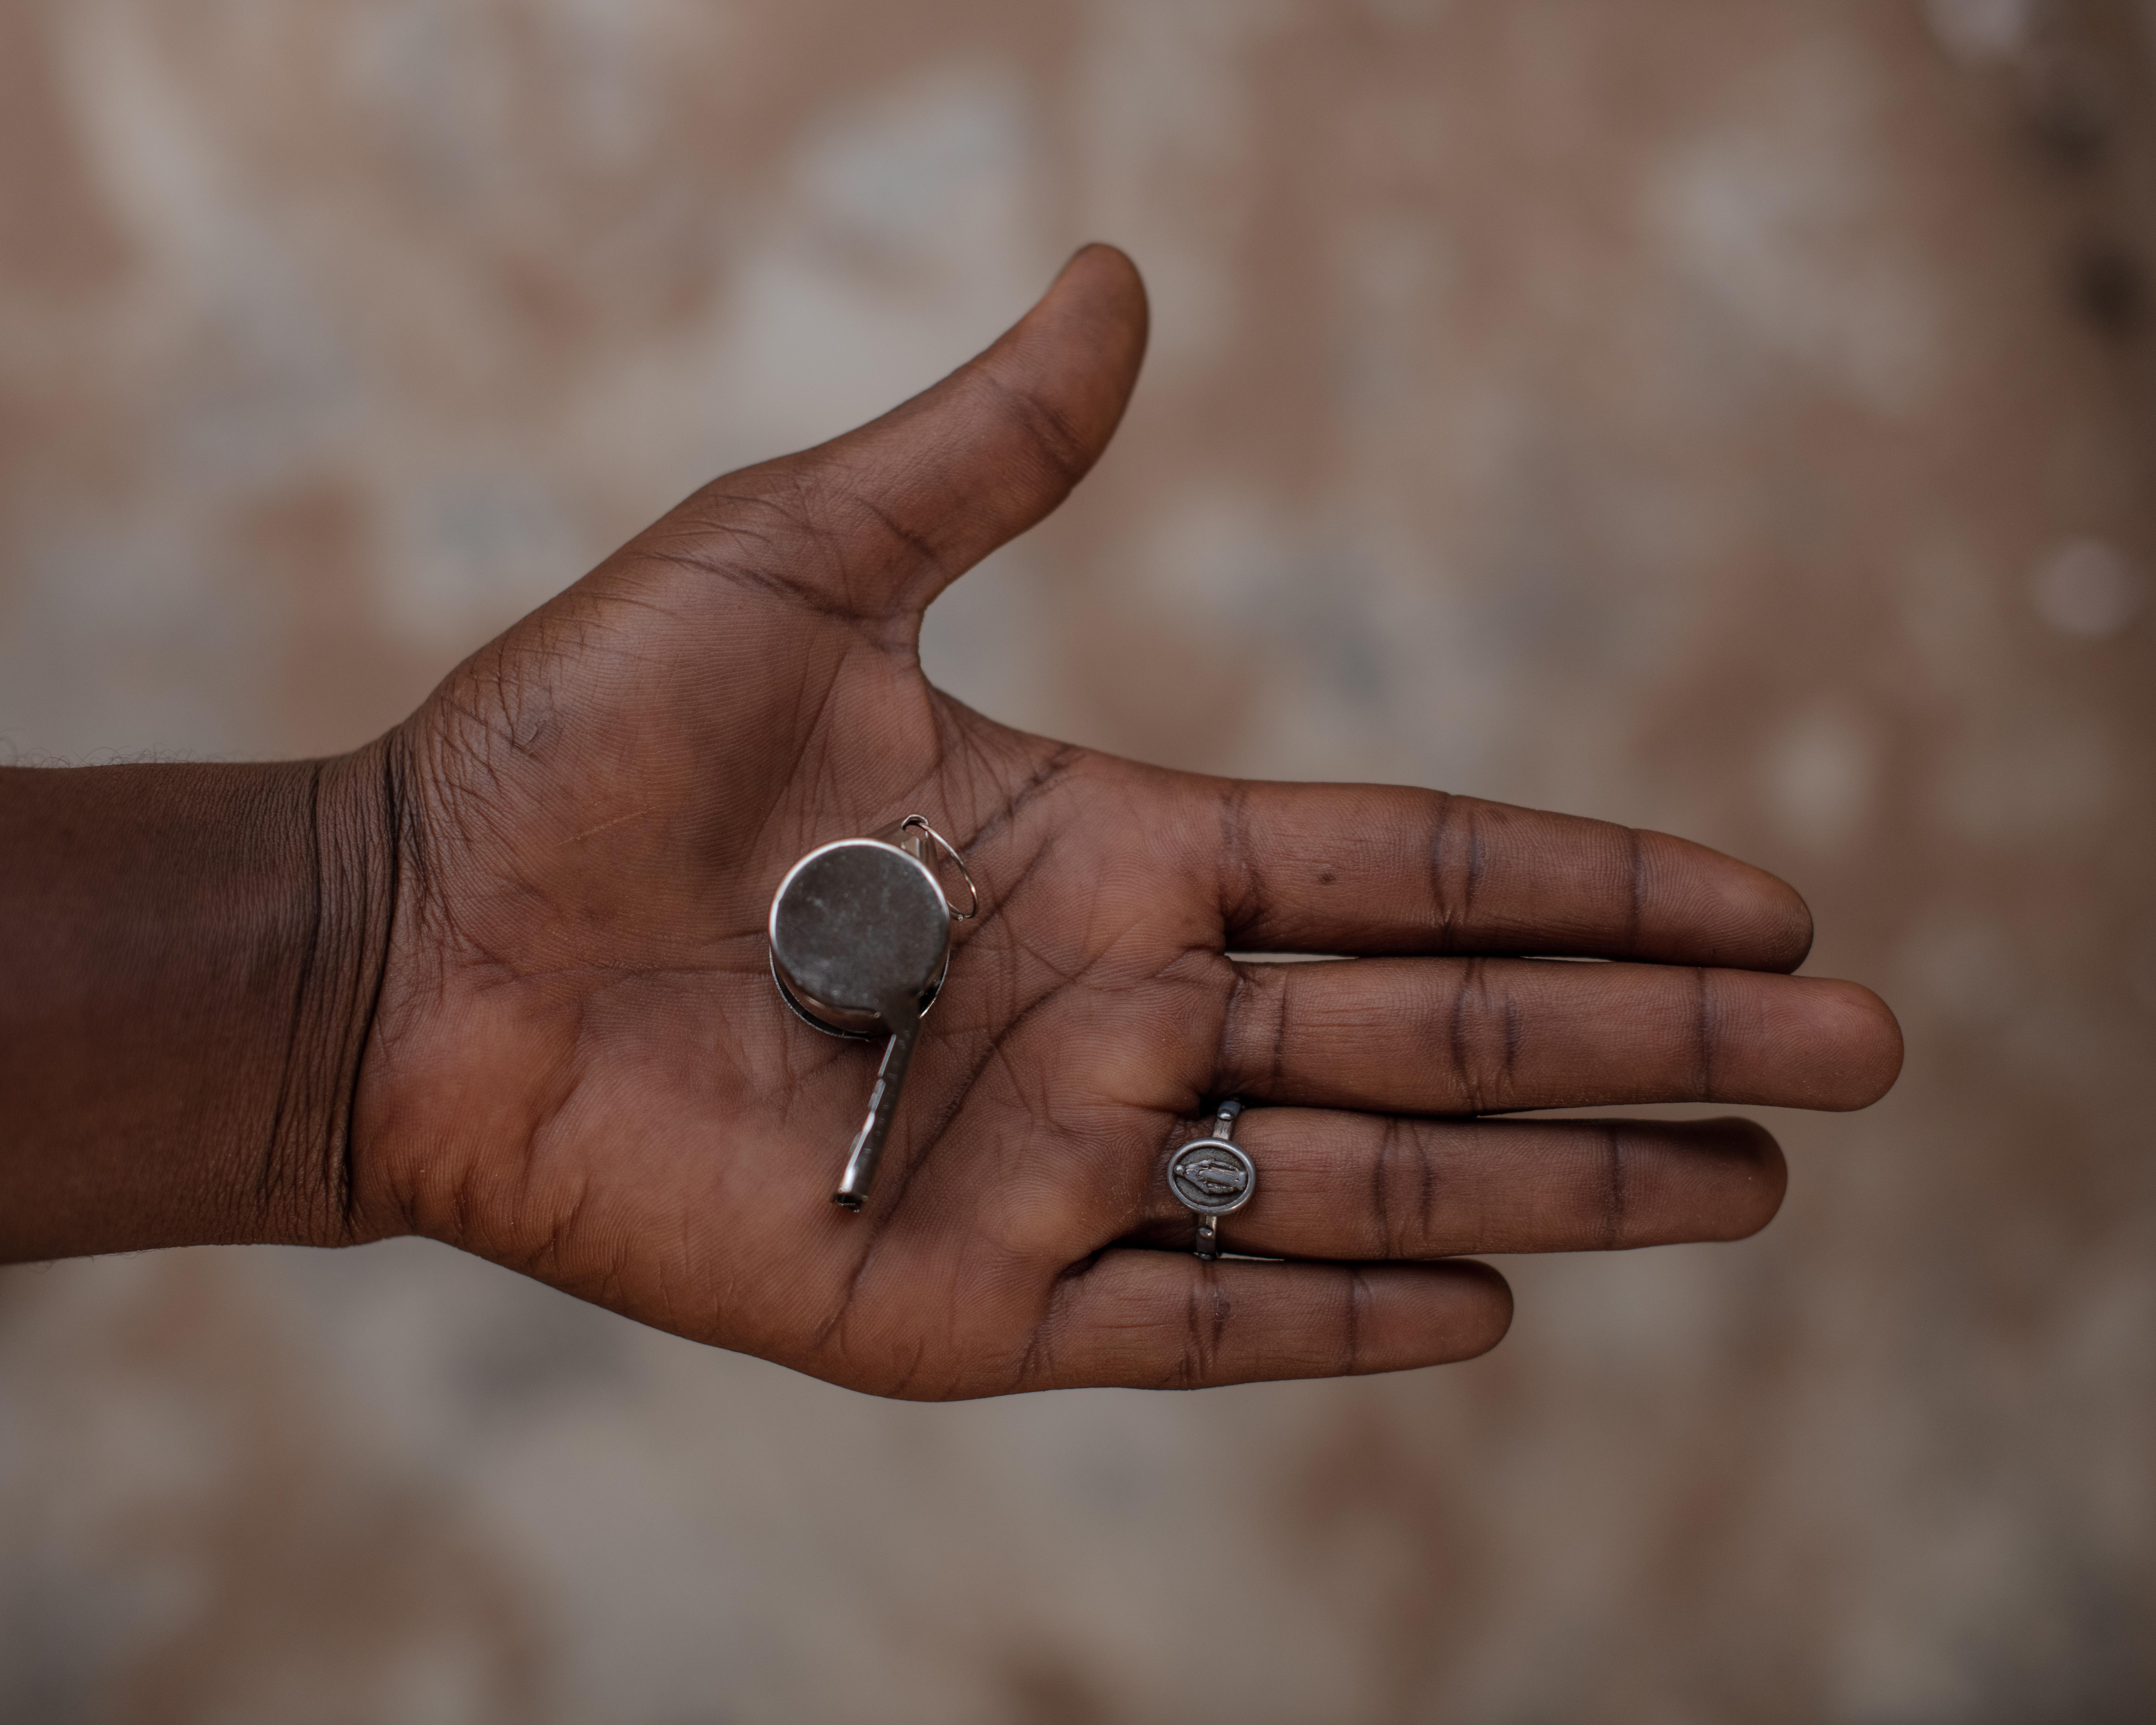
(344, 894)
(192, 955)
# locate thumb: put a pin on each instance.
(879, 521)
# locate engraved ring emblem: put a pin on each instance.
(1211, 1177)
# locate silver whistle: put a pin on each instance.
(861, 943)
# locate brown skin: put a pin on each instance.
(500, 978)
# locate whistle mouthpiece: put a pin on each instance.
(867, 1148)
(861, 1170)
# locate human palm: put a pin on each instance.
(579, 1067)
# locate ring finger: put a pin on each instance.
(1364, 1187)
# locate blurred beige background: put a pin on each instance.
(1734, 416)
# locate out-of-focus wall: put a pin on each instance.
(1724, 415)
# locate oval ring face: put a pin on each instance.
(1212, 1177)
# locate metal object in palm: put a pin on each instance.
(860, 945)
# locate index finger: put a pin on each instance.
(1357, 870)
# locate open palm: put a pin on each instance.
(580, 1068)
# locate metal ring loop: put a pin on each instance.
(951, 851)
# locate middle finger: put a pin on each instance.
(1486, 1036)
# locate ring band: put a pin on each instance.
(1211, 1177)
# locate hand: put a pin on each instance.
(579, 1067)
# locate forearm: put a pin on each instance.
(189, 957)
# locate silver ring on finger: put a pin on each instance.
(1212, 1176)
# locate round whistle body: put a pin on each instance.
(855, 924)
